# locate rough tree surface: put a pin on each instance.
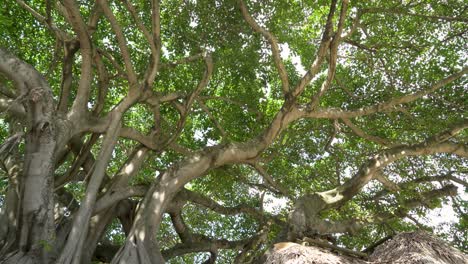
(207, 131)
(412, 247)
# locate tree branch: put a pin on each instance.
(12, 107)
(82, 95)
(406, 184)
(131, 75)
(335, 42)
(69, 50)
(192, 58)
(324, 45)
(273, 44)
(336, 197)
(359, 132)
(214, 120)
(409, 204)
(62, 35)
(381, 107)
(267, 177)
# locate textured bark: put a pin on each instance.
(97, 227)
(55, 132)
(72, 251)
(417, 247)
(36, 218)
(414, 247)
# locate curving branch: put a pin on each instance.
(86, 49)
(335, 42)
(214, 120)
(322, 50)
(359, 132)
(153, 38)
(334, 113)
(305, 216)
(118, 189)
(201, 243)
(59, 33)
(139, 23)
(273, 43)
(83, 158)
(336, 197)
(5, 91)
(404, 185)
(267, 177)
(186, 108)
(38, 166)
(214, 206)
(12, 106)
(113, 61)
(407, 205)
(131, 75)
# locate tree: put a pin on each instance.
(144, 131)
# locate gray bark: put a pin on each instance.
(36, 218)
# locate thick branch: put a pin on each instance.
(336, 197)
(13, 107)
(41, 139)
(69, 50)
(156, 30)
(82, 95)
(77, 236)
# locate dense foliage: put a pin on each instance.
(222, 127)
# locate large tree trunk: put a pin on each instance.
(36, 218)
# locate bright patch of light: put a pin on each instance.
(296, 60)
(274, 205)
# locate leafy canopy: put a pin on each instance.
(396, 48)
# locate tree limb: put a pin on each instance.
(358, 131)
(273, 44)
(381, 107)
(335, 42)
(86, 49)
(131, 75)
(324, 45)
